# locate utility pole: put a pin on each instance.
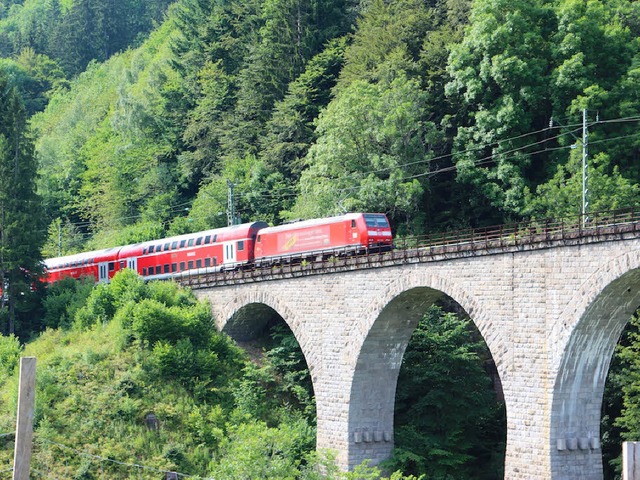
(59, 237)
(585, 169)
(231, 209)
(24, 426)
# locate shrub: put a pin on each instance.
(10, 350)
(100, 307)
(64, 299)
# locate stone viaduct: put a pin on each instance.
(550, 310)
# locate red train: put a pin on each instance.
(238, 246)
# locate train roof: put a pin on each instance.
(233, 232)
(94, 256)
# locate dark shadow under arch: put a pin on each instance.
(250, 321)
(579, 385)
(372, 399)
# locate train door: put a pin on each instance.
(103, 272)
(229, 252)
(353, 232)
(132, 263)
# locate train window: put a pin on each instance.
(182, 243)
(215, 238)
(122, 263)
(66, 265)
(166, 246)
(144, 272)
(215, 261)
(207, 240)
(207, 262)
(376, 221)
(240, 245)
(158, 269)
(174, 245)
(190, 264)
(190, 242)
(199, 241)
(182, 265)
(144, 251)
(112, 266)
(259, 238)
(158, 248)
(151, 247)
(166, 268)
(353, 224)
(199, 263)
(174, 267)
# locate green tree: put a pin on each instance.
(36, 77)
(21, 225)
(291, 33)
(64, 298)
(290, 131)
(621, 406)
(372, 147)
(385, 29)
(499, 77)
(448, 421)
(561, 196)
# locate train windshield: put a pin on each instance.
(376, 220)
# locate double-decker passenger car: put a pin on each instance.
(202, 252)
(102, 265)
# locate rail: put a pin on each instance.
(532, 234)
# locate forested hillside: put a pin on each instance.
(125, 120)
(442, 114)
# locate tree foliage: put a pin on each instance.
(21, 221)
(449, 421)
(370, 151)
(441, 114)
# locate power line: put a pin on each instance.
(111, 460)
(283, 193)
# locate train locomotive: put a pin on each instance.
(242, 246)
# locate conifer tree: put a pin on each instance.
(20, 211)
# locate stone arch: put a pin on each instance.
(382, 340)
(582, 344)
(246, 314)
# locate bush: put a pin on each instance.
(64, 299)
(170, 294)
(127, 286)
(99, 308)
(10, 350)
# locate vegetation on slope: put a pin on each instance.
(442, 114)
(140, 382)
(135, 350)
(136, 373)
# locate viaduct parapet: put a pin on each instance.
(550, 315)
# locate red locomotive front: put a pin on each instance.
(342, 235)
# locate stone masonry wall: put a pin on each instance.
(550, 318)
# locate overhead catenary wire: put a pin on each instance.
(117, 462)
(293, 191)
